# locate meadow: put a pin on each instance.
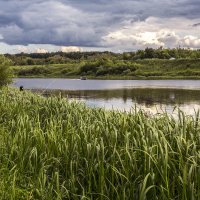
(53, 148)
(115, 69)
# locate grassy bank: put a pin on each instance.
(55, 149)
(116, 69)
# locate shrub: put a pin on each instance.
(33, 71)
(89, 67)
(5, 72)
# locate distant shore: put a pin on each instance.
(150, 69)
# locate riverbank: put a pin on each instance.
(148, 69)
(52, 148)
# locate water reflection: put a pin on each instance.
(147, 96)
(151, 100)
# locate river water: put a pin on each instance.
(154, 96)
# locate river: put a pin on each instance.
(154, 96)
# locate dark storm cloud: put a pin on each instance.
(81, 22)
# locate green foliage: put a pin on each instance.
(5, 73)
(65, 58)
(52, 148)
(117, 69)
(107, 67)
(142, 64)
(35, 71)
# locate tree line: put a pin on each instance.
(74, 57)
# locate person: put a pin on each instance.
(21, 88)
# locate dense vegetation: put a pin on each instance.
(55, 149)
(65, 58)
(108, 69)
(5, 73)
(143, 64)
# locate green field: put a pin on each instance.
(117, 69)
(52, 148)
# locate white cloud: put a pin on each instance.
(190, 41)
(70, 49)
(168, 38)
(22, 49)
(155, 32)
(41, 50)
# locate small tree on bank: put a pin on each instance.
(5, 72)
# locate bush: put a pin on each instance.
(89, 67)
(33, 71)
(5, 72)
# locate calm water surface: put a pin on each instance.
(154, 96)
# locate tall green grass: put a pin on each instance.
(51, 148)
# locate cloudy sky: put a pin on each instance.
(85, 25)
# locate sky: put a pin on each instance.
(97, 25)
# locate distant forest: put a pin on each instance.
(64, 58)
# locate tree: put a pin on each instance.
(149, 53)
(5, 72)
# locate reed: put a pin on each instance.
(52, 148)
